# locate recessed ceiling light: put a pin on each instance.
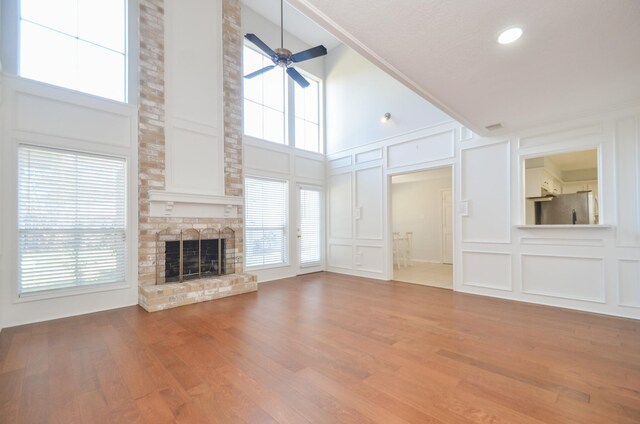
(509, 35)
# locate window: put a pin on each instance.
(307, 116)
(266, 235)
(263, 99)
(269, 108)
(71, 219)
(562, 189)
(76, 44)
(310, 242)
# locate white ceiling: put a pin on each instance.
(586, 159)
(295, 23)
(575, 57)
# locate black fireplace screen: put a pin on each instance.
(192, 254)
(200, 258)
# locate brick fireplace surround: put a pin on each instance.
(151, 162)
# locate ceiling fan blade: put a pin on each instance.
(309, 54)
(260, 71)
(261, 45)
(295, 75)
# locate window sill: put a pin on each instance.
(67, 292)
(266, 267)
(562, 226)
(283, 147)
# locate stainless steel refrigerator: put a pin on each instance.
(575, 208)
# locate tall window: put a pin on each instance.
(266, 238)
(263, 99)
(308, 116)
(269, 109)
(71, 219)
(310, 230)
(77, 44)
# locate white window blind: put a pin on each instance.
(71, 219)
(309, 226)
(266, 222)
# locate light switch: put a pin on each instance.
(463, 208)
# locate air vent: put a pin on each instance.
(494, 127)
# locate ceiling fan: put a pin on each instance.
(283, 57)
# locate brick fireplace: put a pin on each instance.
(164, 214)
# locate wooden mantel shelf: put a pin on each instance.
(192, 205)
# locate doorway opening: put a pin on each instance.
(422, 227)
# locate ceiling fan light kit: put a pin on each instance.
(283, 57)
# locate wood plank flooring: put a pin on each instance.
(326, 348)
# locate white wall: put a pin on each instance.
(39, 114)
(194, 133)
(416, 206)
(358, 94)
(593, 268)
(588, 268)
(298, 167)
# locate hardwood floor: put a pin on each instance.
(428, 274)
(326, 348)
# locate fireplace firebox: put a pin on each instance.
(191, 254)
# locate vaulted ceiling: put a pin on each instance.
(575, 56)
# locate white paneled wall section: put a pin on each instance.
(591, 268)
(297, 167)
(359, 207)
(194, 126)
(38, 114)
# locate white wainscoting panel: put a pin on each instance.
(629, 280)
(193, 97)
(491, 270)
(193, 46)
(340, 162)
(79, 121)
(369, 209)
(194, 161)
(427, 149)
(561, 241)
(341, 256)
(627, 175)
(266, 159)
(369, 258)
(487, 189)
(590, 132)
(340, 205)
(309, 168)
(576, 278)
(369, 156)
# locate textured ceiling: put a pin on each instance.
(575, 57)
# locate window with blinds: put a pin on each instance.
(309, 226)
(266, 232)
(71, 219)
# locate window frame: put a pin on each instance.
(285, 106)
(10, 49)
(293, 116)
(125, 229)
(603, 218)
(289, 109)
(287, 227)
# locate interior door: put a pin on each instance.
(309, 230)
(447, 226)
